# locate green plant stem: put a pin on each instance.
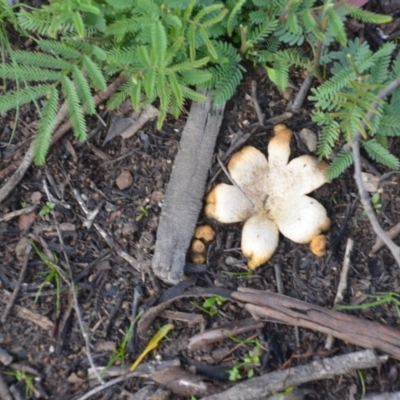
(317, 59)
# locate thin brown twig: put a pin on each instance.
(26, 162)
(301, 95)
(355, 145)
(76, 304)
(342, 284)
(260, 115)
(393, 232)
(17, 288)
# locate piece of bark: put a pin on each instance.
(184, 195)
(259, 387)
(184, 383)
(346, 327)
(222, 332)
(28, 315)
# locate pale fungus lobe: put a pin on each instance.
(270, 197)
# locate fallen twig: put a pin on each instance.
(284, 309)
(143, 371)
(260, 115)
(355, 145)
(260, 387)
(71, 285)
(137, 296)
(301, 95)
(17, 288)
(342, 284)
(17, 213)
(222, 332)
(28, 315)
(62, 113)
(393, 232)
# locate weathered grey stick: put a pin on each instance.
(184, 196)
(258, 388)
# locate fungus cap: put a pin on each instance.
(270, 196)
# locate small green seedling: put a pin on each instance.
(52, 275)
(143, 212)
(379, 299)
(120, 352)
(376, 203)
(47, 209)
(210, 306)
(28, 380)
(248, 364)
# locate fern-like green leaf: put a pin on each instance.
(208, 43)
(74, 108)
(337, 25)
(380, 154)
(119, 97)
(228, 79)
(45, 127)
(62, 49)
(192, 94)
(328, 136)
(279, 74)
(232, 16)
(389, 124)
(264, 30)
(176, 88)
(136, 92)
(83, 90)
(164, 94)
(39, 59)
(23, 96)
(366, 16)
(189, 65)
(341, 162)
(94, 73)
(28, 73)
(159, 43)
(196, 77)
(149, 84)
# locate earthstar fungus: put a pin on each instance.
(270, 196)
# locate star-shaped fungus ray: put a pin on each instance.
(270, 196)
